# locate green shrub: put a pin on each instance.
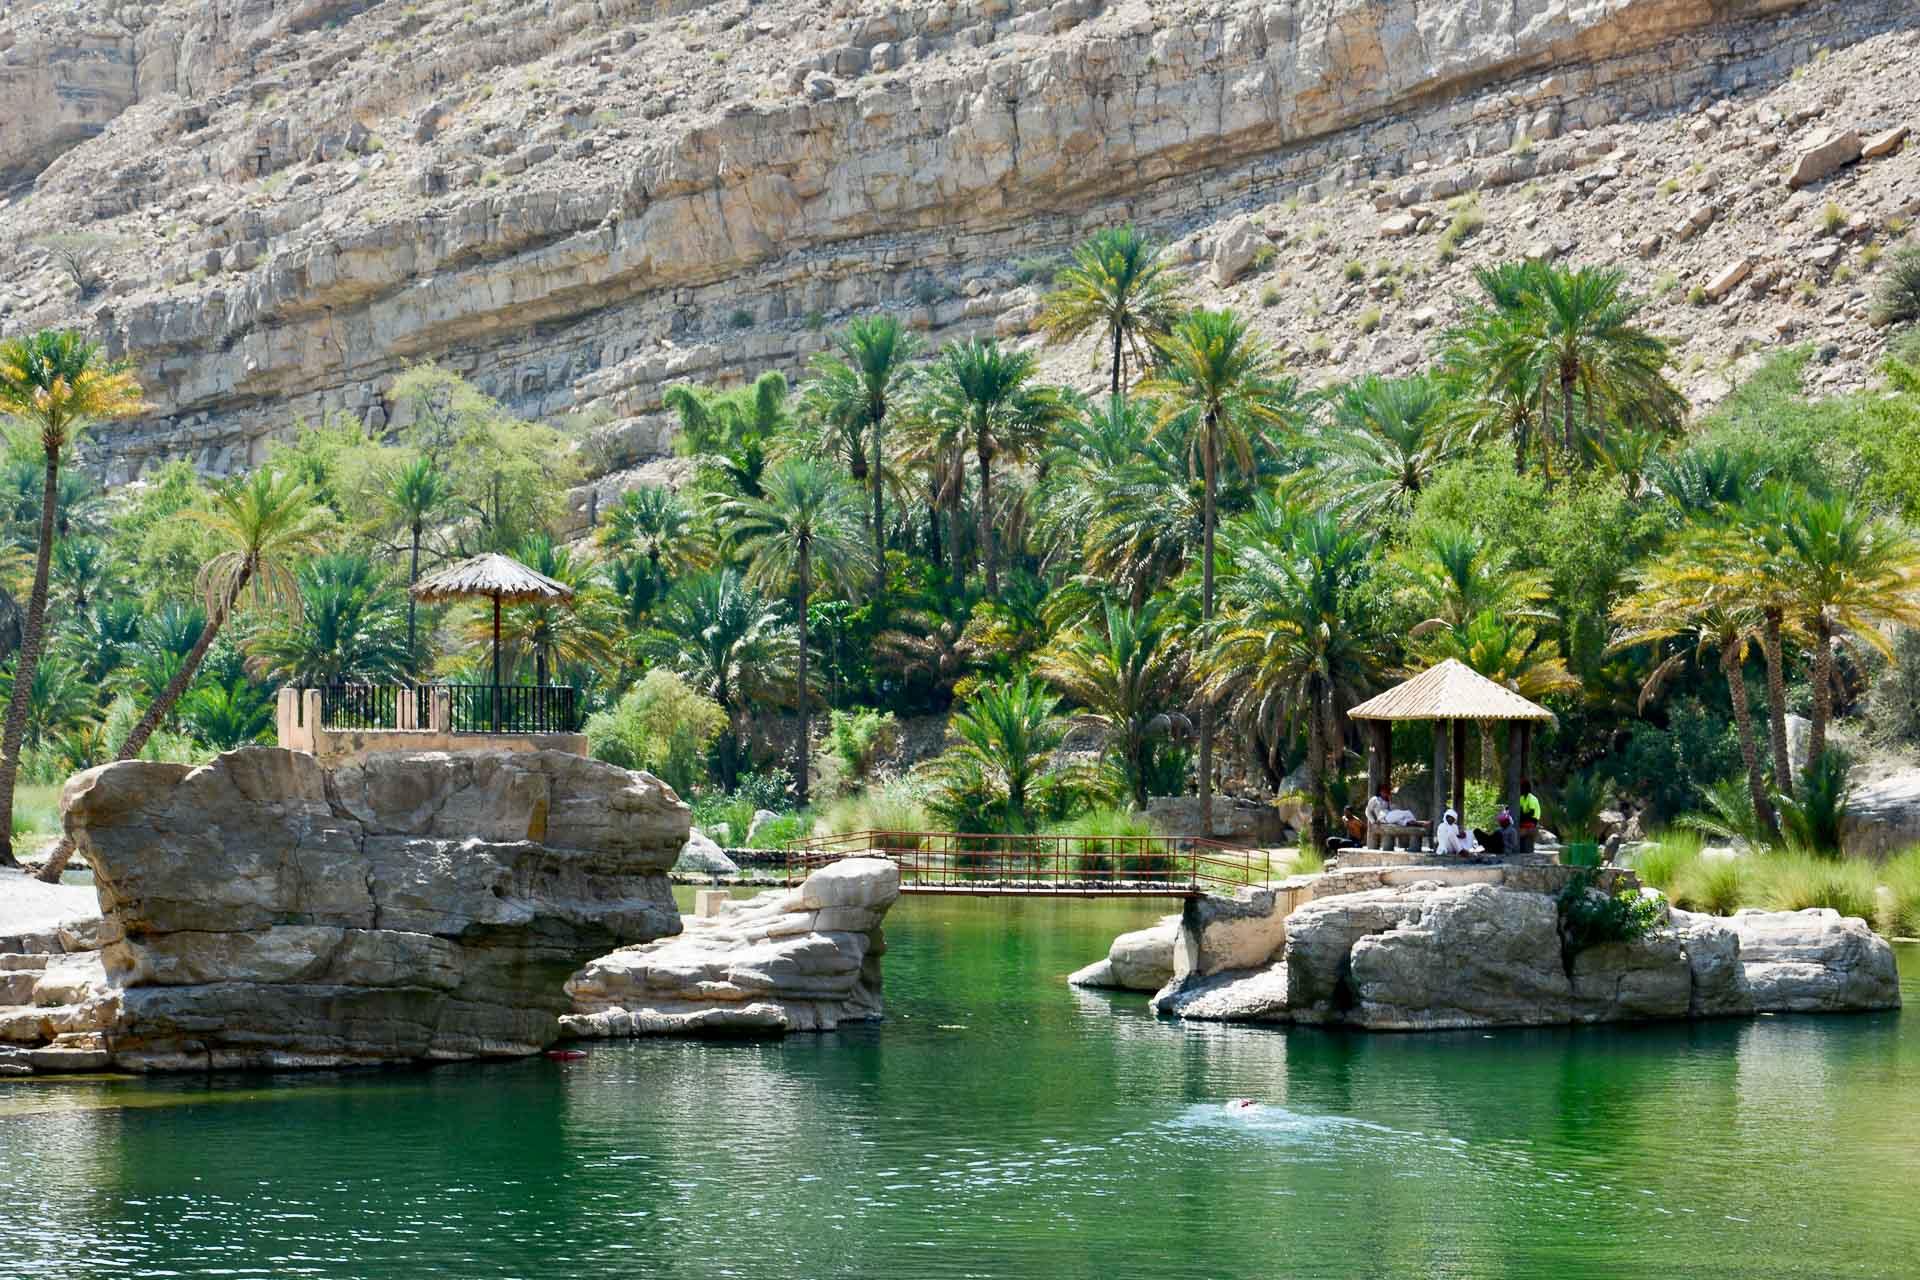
(661, 725)
(1697, 296)
(1668, 858)
(1833, 219)
(741, 319)
(1265, 256)
(855, 742)
(895, 806)
(1898, 300)
(1270, 297)
(1109, 839)
(1811, 820)
(1369, 320)
(1796, 881)
(1355, 270)
(1898, 912)
(1589, 916)
(1717, 886)
(1463, 226)
(1039, 270)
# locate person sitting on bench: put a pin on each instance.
(1452, 838)
(1382, 816)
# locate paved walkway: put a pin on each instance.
(27, 906)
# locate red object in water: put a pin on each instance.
(566, 1055)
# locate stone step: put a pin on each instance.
(22, 964)
(17, 988)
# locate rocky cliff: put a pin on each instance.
(261, 911)
(578, 203)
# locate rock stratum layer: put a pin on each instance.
(805, 959)
(1432, 957)
(261, 911)
(580, 203)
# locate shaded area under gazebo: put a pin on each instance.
(503, 580)
(1450, 692)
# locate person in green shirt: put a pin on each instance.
(1529, 824)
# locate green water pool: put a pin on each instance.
(999, 1124)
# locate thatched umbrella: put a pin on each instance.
(500, 578)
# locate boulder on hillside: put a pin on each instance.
(702, 857)
(1825, 154)
(1234, 249)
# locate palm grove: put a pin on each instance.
(1182, 580)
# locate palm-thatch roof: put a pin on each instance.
(491, 575)
(1449, 691)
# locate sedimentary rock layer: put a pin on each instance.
(260, 911)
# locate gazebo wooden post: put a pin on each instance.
(1439, 769)
(1379, 756)
(1460, 769)
(496, 664)
(1516, 752)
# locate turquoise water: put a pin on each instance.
(998, 1125)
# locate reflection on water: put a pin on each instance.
(1001, 1124)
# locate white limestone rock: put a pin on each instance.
(1815, 961)
(702, 857)
(1138, 961)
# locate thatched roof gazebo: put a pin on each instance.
(1450, 691)
(499, 578)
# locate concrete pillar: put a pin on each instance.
(406, 714)
(440, 710)
(708, 902)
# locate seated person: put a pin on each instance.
(1451, 838)
(1381, 813)
(1353, 831)
(1498, 841)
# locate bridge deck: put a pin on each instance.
(958, 864)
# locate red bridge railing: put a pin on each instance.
(1087, 866)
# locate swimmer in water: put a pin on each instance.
(1242, 1104)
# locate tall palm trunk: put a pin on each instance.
(806, 738)
(413, 576)
(160, 709)
(1566, 408)
(879, 515)
(31, 636)
(1206, 615)
(1316, 768)
(1116, 361)
(982, 452)
(1776, 699)
(1743, 720)
(1822, 689)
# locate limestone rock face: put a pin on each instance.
(1471, 956)
(804, 959)
(1720, 987)
(1815, 961)
(261, 912)
(1138, 961)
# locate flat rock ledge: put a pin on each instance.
(805, 959)
(1429, 957)
(263, 911)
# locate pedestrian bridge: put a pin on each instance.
(946, 862)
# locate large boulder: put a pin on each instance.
(804, 959)
(1647, 978)
(1464, 956)
(700, 856)
(1138, 961)
(1824, 154)
(261, 912)
(1320, 939)
(1235, 995)
(1815, 961)
(1718, 984)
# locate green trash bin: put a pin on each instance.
(1580, 853)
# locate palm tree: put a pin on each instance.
(1006, 734)
(1117, 283)
(656, 522)
(269, 521)
(1744, 556)
(1671, 600)
(1390, 436)
(853, 391)
(347, 627)
(1125, 673)
(56, 381)
(739, 426)
(1452, 575)
(1220, 385)
(415, 493)
(1847, 571)
(731, 644)
(805, 525)
(1294, 645)
(1487, 356)
(989, 394)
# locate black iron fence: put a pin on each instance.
(513, 708)
(471, 708)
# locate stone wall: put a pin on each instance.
(263, 911)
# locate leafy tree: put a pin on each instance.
(1126, 672)
(804, 526)
(347, 627)
(1221, 386)
(991, 399)
(852, 391)
(731, 645)
(1118, 283)
(57, 382)
(660, 725)
(1005, 736)
(415, 495)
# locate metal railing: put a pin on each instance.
(1086, 866)
(513, 708)
(470, 708)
